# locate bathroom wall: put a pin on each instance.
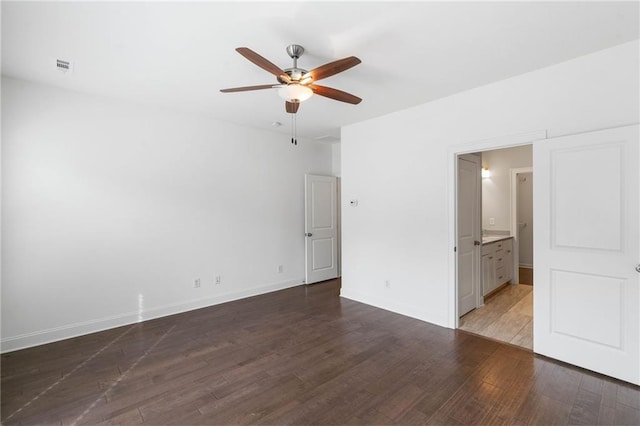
(496, 189)
(524, 198)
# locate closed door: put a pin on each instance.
(321, 228)
(468, 248)
(586, 297)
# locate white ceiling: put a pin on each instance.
(181, 54)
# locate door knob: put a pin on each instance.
(308, 234)
(476, 243)
(638, 267)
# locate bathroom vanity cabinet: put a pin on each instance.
(497, 263)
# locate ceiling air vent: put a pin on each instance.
(64, 66)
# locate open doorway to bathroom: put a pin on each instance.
(505, 306)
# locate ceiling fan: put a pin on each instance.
(296, 84)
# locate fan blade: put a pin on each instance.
(332, 68)
(336, 94)
(247, 88)
(291, 107)
(263, 63)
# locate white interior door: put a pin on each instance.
(321, 228)
(469, 234)
(586, 297)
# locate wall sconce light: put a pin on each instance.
(486, 173)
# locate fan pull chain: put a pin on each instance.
(294, 130)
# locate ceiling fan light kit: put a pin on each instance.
(295, 84)
(295, 92)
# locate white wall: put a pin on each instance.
(335, 159)
(525, 225)
(398, 167)
(111, 210)
(496, 190)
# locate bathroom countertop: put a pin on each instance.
(487, 239)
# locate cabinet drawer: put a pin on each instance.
(501, 259)
(501, 275)
(488, 249)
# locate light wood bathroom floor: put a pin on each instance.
(506, 316)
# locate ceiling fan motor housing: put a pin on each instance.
(295, 73)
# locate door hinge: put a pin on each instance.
(455, 249)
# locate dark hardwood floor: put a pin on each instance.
(300, 356)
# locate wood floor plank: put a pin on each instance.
(302, 356)
(628, 395)
(247, 407)
(607, 415)
(506, 316)
(592, 384)
(563, 385)
(131, 417)
(524, 337)
(626, 416)
(586, 408)
(401, 402)
(526, 275)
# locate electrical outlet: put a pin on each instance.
(387, 284)
(218, 279)
(492, 221)
(280, 269)
(196, 283)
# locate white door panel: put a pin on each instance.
(321, 228)
(593, 175)
(586, 290)
(322, 253)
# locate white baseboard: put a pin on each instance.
(27, 340)
(397, 307)
(524, 265)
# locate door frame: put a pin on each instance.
(514, 219)
(508, 141)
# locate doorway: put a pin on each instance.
(585, 261)
(504, 310)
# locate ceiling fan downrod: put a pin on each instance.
(295, 51)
